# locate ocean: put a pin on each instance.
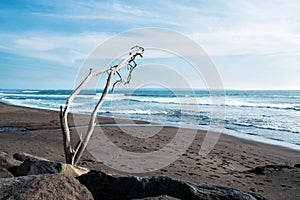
(266, 116)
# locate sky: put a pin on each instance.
(253, 44)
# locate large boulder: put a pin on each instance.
(50, 186)
(33, 166)
(104, 186)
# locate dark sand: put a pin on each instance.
(226, 165)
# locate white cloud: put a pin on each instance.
(78, 16)
(251, 40)
(246, 27)
(126, 9)
(121, 12)
(64, 49)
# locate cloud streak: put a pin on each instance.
(63, 49)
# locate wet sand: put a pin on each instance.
(37, 132)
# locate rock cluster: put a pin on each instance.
(38, 178)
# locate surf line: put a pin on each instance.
(123, 125)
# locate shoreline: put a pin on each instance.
(142, 123)
(228, 164)
(232, 133)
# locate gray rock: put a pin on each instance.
(50, 186)
(4, 173)
(33, 166)
(23, 156)
(297, 165)
(104, 186)
(261, 170)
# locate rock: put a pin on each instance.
(50, 186)
(23, 156)
(297, 165)
(254, 190)
(260, 170)
(4, 173)
(73, 171)
(257, 170)
(7, 161)
(104, 186)
(32, 166)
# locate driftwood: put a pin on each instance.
(73, 155)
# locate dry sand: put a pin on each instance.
(38, 132)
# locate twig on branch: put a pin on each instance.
(120, 80)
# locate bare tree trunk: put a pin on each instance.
(73, 155)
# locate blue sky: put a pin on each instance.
(254, 44)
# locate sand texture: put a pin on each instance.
(232, 162)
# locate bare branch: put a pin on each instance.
(92, 124)
(73, 154)
(66, 137)
(130, 70)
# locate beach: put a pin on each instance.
(229, 164)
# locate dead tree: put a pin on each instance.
(73, 154)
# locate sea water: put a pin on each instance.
(266, 116)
